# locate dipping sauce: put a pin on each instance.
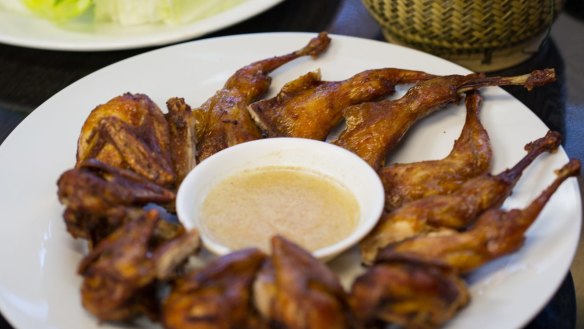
(248, 208)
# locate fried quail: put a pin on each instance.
(223, 120)
(129, 132)
(416, 283)
(310, 108)
(217, 296)
(120, 272)
(375, 128)
(495, 233)
(99, 198)
(471, 156)
(410, 295)
(453, 211)
(296, 291)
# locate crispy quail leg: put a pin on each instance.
(453, 211)
(129, 132)
(410, 295)
(218, 296)
(470, 157)
(374, 129)
(309, 107)
(119, 272)
(496, 233)
(296, 291)
(225, 120)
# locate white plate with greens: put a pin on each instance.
(20, 27)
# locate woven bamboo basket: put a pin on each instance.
(483, 35)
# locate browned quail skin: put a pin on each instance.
(223, 120)
(375, 128)
(496, 233)
(455, 210)
(309, 107)
(470, 157)
(217, 296)
(294, 290)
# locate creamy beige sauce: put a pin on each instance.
(248, 208)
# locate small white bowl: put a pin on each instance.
(335, 162)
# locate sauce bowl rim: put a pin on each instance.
(208, 173)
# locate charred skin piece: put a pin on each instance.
(410, 295)
(496, 233)
(296, 291)
(129, 132)
(453, 211)
(223, 120)
(99, 198)
(374, 129)
(94, 186)
(182, 137)
(310, 108)
(470, 157)
(119, 273)
(218, 296)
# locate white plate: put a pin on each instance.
(21, 28)
(39, 288)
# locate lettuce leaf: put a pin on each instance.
(136, 12)
(58, 10)
(130, 12)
